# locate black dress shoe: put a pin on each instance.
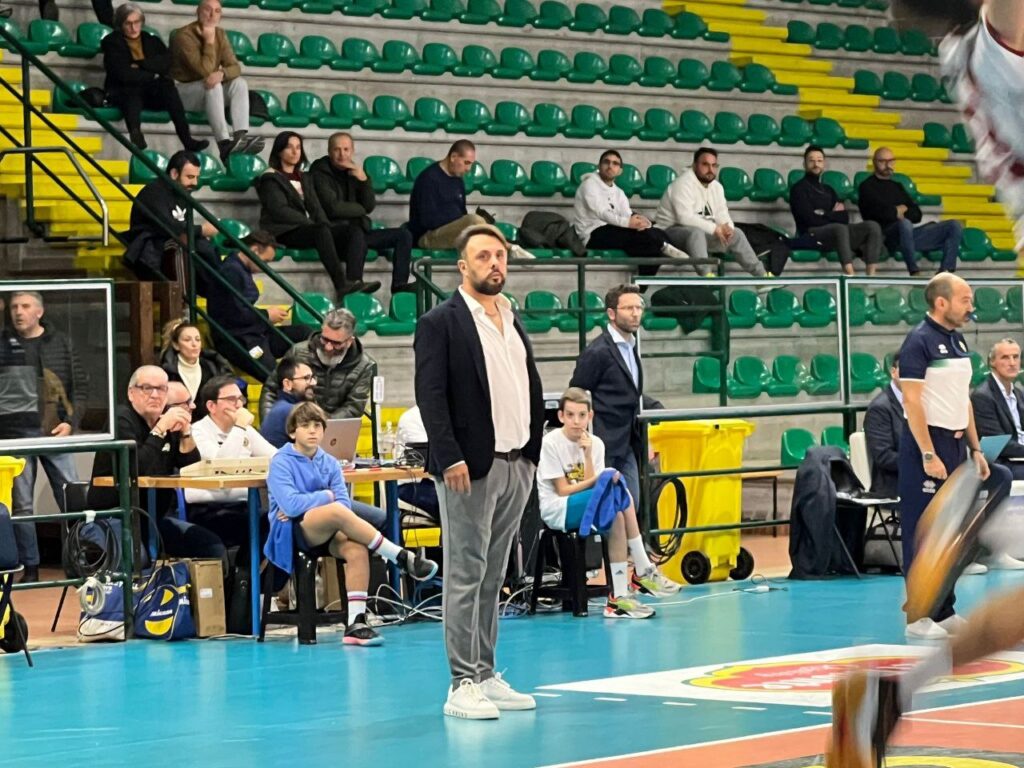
(371, 287)
(29, 574)
(407, 288)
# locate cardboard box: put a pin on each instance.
(206, 579)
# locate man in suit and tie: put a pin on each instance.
(883, 425)
(482, 404)
(610, 370)
(999, 404)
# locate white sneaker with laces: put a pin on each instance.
(953, 624)
(975, 569)
(468, 702)
(925, 629)
(504, 696)
(1004, 562)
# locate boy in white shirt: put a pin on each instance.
(570, 461)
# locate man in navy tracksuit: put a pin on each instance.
(935, 375)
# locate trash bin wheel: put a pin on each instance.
(696, 567)
(744, 566)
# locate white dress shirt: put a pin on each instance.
(236, 443)
(626, 347)
(1011, 403)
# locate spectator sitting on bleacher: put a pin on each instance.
(343, 371)
(138, 67)
(346, 195)
(818, 212)
(422, 494)
(884, 200)
(437, 205)
(695, 216)
(210, 79)
(158, 216)
(184, 359)
(290, 210)
(241, 320)
(604, 220)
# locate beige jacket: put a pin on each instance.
(192, 59)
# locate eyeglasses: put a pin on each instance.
(149, 389)
(309, 377)
(633, 308)
(332, 344)
(236, 399)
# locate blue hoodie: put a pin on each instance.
(297, 484)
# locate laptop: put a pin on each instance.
(993, 445)
(341, 437)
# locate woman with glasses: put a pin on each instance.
(185, 360)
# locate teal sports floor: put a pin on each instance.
(691, 687)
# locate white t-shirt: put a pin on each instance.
(561, 457)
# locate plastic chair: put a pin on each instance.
(819, 308)
(657, 181)
(305, 617)
(548, 120)
(824, 378)
(356, 54)
(477, 61)
(793, 446)
(658, 72)
(623, 69)
(691, 74)
(396, 56)
(762, 130)
(743, 309)
(834, 436)
(623, 124)
(622, 20)
(587, 67)
(866, 373)
(729, 128)
(429, 114)
(514, 63)
(694, 126)
(551, 66)
(438, 58)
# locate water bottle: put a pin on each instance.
(386, 442)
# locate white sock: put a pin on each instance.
(356, 606)
(640, 559)
(930, 668)
(620, 585)
(385, 548)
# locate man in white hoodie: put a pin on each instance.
(604, 220)
(696, 218)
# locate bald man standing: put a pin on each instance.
(884, 200)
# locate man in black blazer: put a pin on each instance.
(999, 404)
(481, 400)
(610, 370)
(883, 425)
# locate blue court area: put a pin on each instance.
(239, 703)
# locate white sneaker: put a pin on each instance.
(925, 629)
(518, 252)
(953, 624)
(975, 569)
(468, 702)
(504, 696)
(1005, 562)
(627, 606)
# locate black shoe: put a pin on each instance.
(30, 574)
(227, 146)
(371, 287)
(420, 568)
(6, 11)
(359, 633)
(407, 288)
(48, 10)
(195, 145)
(251, 145)
(136, 138)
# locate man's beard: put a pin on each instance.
(488, 288)
(329, 360)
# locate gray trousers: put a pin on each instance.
(477, 530)
(698, 244)
(235, 93)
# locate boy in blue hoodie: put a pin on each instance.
(308, 498)
(571, 460)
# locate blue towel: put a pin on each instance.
(606, 501)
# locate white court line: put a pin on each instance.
(608, 698)
(914, 719)
(737, 739)
(820, 714)
(752, 709)
(547, 695)
(679, 703)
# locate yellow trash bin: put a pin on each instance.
(10, 468)
(717, 500)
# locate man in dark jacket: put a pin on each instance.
(343, 371)
(437, 205)
(819, 213)
(883, 425)
(999, 404)
(610, 370)
(238, 318)
(884, 200)
(346, 195)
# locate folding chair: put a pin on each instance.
(15, 630)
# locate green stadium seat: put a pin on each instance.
(587, 67)
(347, 110)
(750, 375)
(707, 376)
(140, 174)
(507, 178)
(658, 179)
(438, 58)
(401, 320)
(691, 74)
(659, 72)
(396, 56)
(471, 116)
(548, 120)
(819, 308)
(553, 15)
(834, 437)
(979, 368)
(828, 37)
(654, 322)
(588, 18)
(366, 308)
(866, 373)
(51, 34)
(914, 42)
(315, 51)
(630, 181)
(443, 10)
(795, 131)
(594, 315)
(237, 229)
(475, 179)
(413, 168)
(937, 135)
(587, 122)
(543, 309)
(547, 179)
(829, 133)
(840, 183)
(429, 114)
(659, 125)
(356, 54)
(724, 76)
(551, 66)
(762, 130)
(781, 309)
(240, 172)
(824, 375)
(622, 20)
(389, 112)
(623, 70)
(757, 78)
(1014, 305)
(277, 47)
(788, 374)
(889, 307)
(885, 40)
(319, 302)
(62, 102)
(857, 38)
(963, 142)
(694, 126)
(793, 446)
(858, 306)
(384, 173)
(925, 88)
(510, 118)
(88, 37)
(743, 308)
(481, 12)
(867, 83)
(729, 128)
(690, 26)
(769, 186)
(912, 190)
(301, 109)
(974, 245)
(576, 173)
(246, 51)
(895, 86)
(623, 124)
(210, 168)
(513, 64)
(988, 305)
(800, 32)
(655, 23)
(736, 182)
(517, 13)
(917, 307)
(364, 7)
(511, 233)
(404, 9)
(33, 47)
(477, 61)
